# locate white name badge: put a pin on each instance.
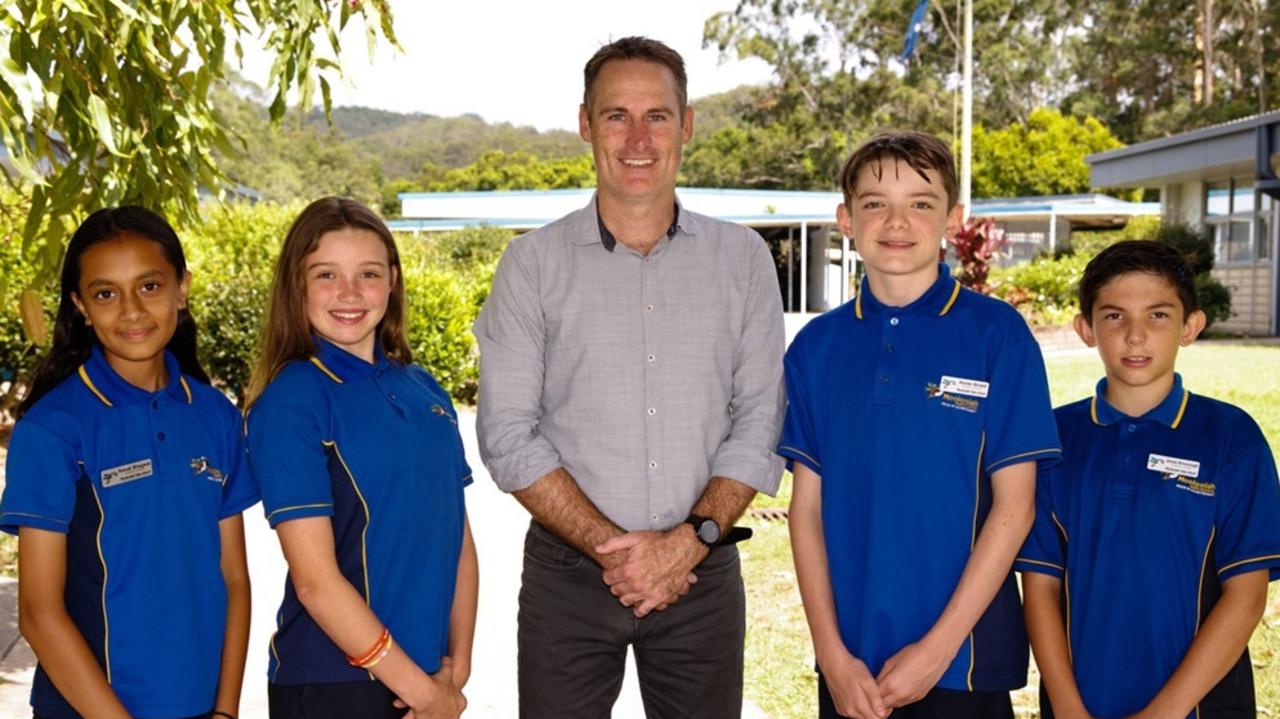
(966, 387)
(1172, 465)
(126, 473)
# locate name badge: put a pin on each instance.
(126, 473)
(1173, 466)
(966, 387)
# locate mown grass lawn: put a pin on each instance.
(779, 658)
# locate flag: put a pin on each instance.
(913, 30)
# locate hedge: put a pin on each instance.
(231, 256)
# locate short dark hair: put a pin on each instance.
(1146, 256)
(921, 151)
(636, 48)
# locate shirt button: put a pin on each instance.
(893, 321)
(653, 465)
(1133, 428)
(652, 358)
(1128, 461)
(652, 411)
(654, 517)
(888, 348)
(160, 436)
(392, 395)
(155, 404)
(884, 379)
(648, 308)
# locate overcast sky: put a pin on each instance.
(518, 61)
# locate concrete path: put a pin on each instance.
(498, 523)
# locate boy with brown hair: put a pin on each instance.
(918, 412)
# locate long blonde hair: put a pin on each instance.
(286, 334)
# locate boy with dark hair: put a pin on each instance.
(917, 414)
(1147, 568)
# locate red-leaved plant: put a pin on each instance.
(975, 244)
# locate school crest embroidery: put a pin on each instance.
(200, 465)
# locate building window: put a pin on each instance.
(1232, 213)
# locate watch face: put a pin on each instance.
(709, 531)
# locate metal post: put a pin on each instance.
(966, 127)
(791, 269)
(844, 268)
(804, 267)
(1053, 232)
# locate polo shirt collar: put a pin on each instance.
(937, 300)
(115, 391)
(681, 221)
(1169, 412)
(342, 366)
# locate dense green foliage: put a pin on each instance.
(231, 253)
(1045, 156)
(1045, 289)
(104, 102)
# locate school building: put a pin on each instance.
(816, 263)
(1222, 179)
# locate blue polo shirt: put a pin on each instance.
(905, 412)
(376, 448)
(1143, 520)
(138, 482)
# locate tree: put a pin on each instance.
(498, 170)
(1044, 156)
(106, 102)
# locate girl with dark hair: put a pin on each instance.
(125, 488)
(357, 454)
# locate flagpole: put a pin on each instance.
(966, 121)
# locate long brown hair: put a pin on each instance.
(286, 336)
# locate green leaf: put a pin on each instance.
(101, 119)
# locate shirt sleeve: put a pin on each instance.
(41, 472)
(1248, 508)
(239, 491)
(1020, 425)
(747, 454)
(288, 460)
(511, 333)
(799, 442)
(1043, 551)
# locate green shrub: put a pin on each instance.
(1044, 290)
(1215, 299)
(1090, 242)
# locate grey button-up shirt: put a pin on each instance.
(643, 376)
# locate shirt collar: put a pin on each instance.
(1169, 412)
(113, 390)
(342, 366)
(679, 221)
(937, 300)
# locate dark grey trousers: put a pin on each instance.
(574, 634)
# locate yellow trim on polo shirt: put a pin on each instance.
(1263, 558)
(316, 361)
(1182, 409)
(185, 387)
(802, 454)
(106, 622)
(1093, 410)
(955, 292)
(84, 377)
(1051, 565)
(299, 506)
(364, 546)
(857, 306)
(973, 538)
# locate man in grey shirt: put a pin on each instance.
(631, 398)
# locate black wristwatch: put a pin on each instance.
(706, 529)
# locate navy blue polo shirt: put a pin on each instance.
(905, 412)
(138, 482)
(376, 448)
(1143, 520)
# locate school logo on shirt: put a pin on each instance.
(126, 473)
(200, 465)
(1184, 473)
(957, 392)
(440, 410)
